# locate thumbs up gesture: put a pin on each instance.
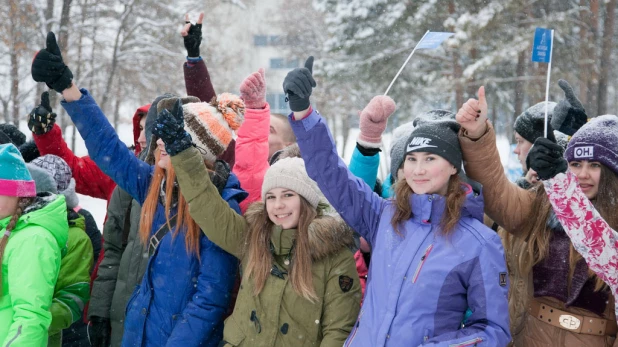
(41, 119)
(298, 85)
(48, 67)
(472, 116)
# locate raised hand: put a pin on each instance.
(253, 90)
(373, 120)
(569, 115)
(41, 119)
(472, 116)
(170, 127)
(192, 34)
(545, 157)
(298, 85)
(48, 66)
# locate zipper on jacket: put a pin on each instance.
(349, 343)
(468, 343)
(14, 337)
(420, 265)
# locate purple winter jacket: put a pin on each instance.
(420, 284)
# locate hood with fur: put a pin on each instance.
(327, 234)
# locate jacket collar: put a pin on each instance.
(429, 208)
(328, 234)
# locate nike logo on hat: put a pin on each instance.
(418, 143)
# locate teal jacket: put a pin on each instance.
(30, 267)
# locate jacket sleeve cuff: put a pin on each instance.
(309, 121)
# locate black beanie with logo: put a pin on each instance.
(437, 137)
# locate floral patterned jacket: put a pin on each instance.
(591, 236)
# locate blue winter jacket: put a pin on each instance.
(365, 167)
(420, 283)
(181, 300)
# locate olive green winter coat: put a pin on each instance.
(278, 316)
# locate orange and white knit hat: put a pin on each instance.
(211, 125)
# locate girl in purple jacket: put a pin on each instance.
(432, 257)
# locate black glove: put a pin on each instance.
(193, 40)
(170, 127)
(48, 67)
(545, 157)
(298, 85)
(99, 331)
(41, 119)
(569, 114)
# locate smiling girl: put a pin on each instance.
(584, 199)
(432, 257)
(560, 301)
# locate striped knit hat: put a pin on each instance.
(211, 125)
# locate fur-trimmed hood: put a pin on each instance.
(328, 234)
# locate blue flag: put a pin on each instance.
(432, 40)
(541, 48)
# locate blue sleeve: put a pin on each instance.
(487, 298)
(355, 201)
(204, 313)
(365, 167)
(105, 148)
(387, 187)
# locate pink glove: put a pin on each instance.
(253, 90)
(373, 120)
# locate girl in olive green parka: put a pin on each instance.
(299, 282)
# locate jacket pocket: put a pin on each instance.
(422, 262)
(232, 334)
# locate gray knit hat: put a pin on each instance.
(531, 123)
(290, 173)
(62, 175)
(43, 179)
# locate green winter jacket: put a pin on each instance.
(278, 316)
(73, 286)
(30, 268)
(123, 264)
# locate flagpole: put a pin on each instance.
(404, 64)
(551, 49)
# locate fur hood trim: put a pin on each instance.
(328, 234)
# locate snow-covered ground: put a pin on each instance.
(98, 207)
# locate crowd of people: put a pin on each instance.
(231, 226)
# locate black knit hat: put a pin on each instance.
(437, 137)
(531, 123)
(4, 138)
(17, 137)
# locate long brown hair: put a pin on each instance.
(260, 260)
(455, 199)
(21, 206)
(193, 233)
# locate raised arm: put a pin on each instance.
(105, 148)
(506, 203)
(214, 215)
(365, 160)
(197, 78)
(89, 179)
(252, 142)
(349, 195)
